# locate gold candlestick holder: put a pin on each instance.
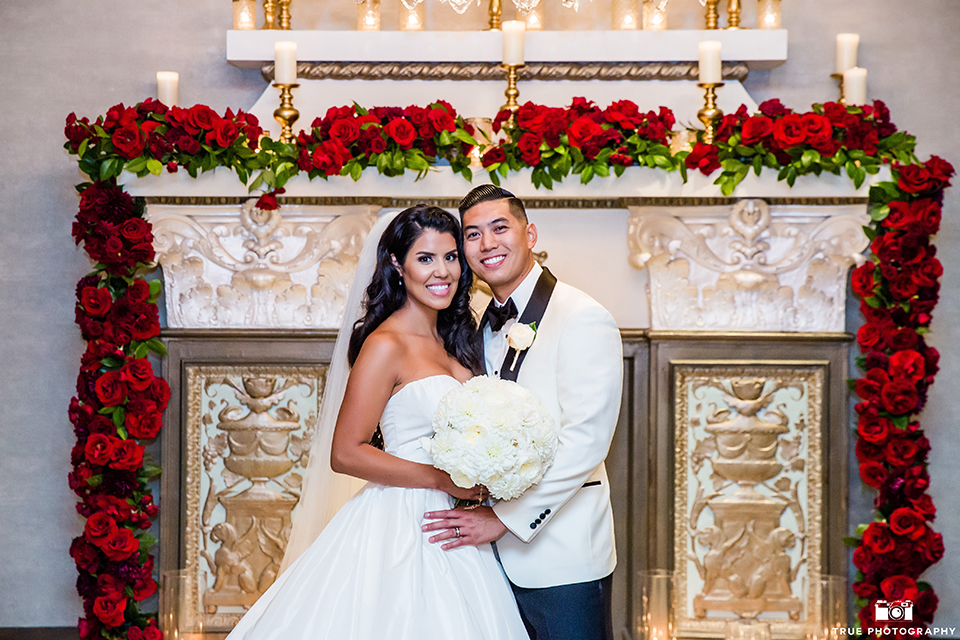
(269, 14)
(839, 78)
(733, 14)
(495, 11)
(512, 93)
(713, 16)
(285, 14)
(286, 115)
(710, 114)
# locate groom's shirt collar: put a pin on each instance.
(521, 295)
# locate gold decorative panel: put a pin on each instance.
(248, 436)
(747, 506)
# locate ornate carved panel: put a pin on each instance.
(749, 267)
(748, 492)
(242, 267)
(248, 435)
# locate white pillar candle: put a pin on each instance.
(167, 82)
(847, 44)
(855, 86)
(285, 62)
(710, 66)
(513, 35)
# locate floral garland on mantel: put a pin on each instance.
(120, 401)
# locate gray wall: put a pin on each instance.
(58, 56)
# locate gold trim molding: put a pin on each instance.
(493, 71)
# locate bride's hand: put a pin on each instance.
(476, 493)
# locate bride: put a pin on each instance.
(371, 573)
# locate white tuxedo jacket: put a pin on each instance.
(561, 530)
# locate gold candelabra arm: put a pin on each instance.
(285, 14)
(512, 93)
(496, 11)
(839, 78)
(713, 16)
(286, 114)
(269, 14)
(733, 14)
(710, 114)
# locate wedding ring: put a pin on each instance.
(457, 531)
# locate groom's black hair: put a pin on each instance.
(489, 193)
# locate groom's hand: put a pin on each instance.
(475, 526)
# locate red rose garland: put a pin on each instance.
(119, 400)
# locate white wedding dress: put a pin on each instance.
(372, 574)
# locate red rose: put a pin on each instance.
(99, 527)
(225, 133)
(926, 605)
(773, 108)
(901, 451)
(924, 506)
(99, 448)
(871, 384)
(330, 156)
(109, 609)
(129, 141)
(932, 547)
(913, 178)
(818, 128)
(138, 374)
(927, 274)
(907, 522)
(200, 118)
(401, 131)
(371, 141)
(703, 157)
(582, 131)
(188, 145)
(127, 456)
(899, 588)
(145, 326)
(147, 633)
(877, 537)
(136, 230)
(139, 291)
(493, 156)
(899, 397)
(85, 554)
(441, 120)
(873, 474)
(110, 388)
(939, 168)
(866, 590)
(624, 113)
(908, 365)
(904, 338)
(345, 130)
(789, 131)
(755, 129)
(96, 301)
(870, 335)
(863, 280)
(531, 116)
(144, 426)
(117, 508)
(874, 430)
(121, 545)
(529, 147)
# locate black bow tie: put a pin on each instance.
(497, 316)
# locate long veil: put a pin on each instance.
(325, 492)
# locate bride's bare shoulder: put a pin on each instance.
(382, 347)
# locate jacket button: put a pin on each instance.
(547, 511)
(533, 525)
(538, 521)
(543, 515)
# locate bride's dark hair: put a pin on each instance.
(386, 293)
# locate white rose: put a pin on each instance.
(520, 336)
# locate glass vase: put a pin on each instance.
(652, 608)
(768, 14)
(368, 15)
(625, 15)
(654, 15)
(414, 19)
(244, 15)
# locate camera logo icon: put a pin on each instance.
(893, 610)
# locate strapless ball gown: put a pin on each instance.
(373, 575)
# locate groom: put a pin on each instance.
(555, 542)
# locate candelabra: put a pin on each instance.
(285, 14)
(733, 14)
(713, 16)
(269, 14)
(512, 93)
(710, 114)
(286, 115)
(495, 11)
(839, 78)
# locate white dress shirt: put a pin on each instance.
(495, 349)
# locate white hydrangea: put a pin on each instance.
(495, 433)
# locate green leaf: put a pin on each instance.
(463, 136)
(861, 528)
(141, 350)
(256, 184)
(122, 432)
(157, 346)
(95, 481)
(791, 175)
(587, 174)
(757, 164)
(117, 416)
(503, 168)
(601, 169)
(467, 174)
(878, 211)
(851, 541)
(809, 157)
(83, 147)
(663, 163)
(154, 166)
(356, 171)
(136, 165)
(494, 178)
(360, 110)
(445, 138)
(901, 422)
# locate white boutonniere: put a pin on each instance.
(519, 338)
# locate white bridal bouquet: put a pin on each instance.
(495, 433)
